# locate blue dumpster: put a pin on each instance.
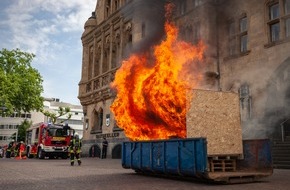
(187, 158)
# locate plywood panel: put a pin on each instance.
(216, 116)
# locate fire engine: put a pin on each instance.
(48, 140)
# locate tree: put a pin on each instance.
(21, 132)
(52, 116)
(20, 83)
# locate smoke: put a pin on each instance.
(150, 15)
(265, 108)
(277, 111)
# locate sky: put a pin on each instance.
(50, 29)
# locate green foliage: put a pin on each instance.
(61, 112)
(22, 131)
(20, 83)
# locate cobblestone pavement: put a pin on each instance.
(108, 174)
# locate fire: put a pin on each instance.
(151, 89)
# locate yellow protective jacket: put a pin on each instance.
(75, 145)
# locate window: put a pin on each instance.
(232, 28)
(116, 4)
(108, 8)
(106, 55)
(275, 23)
(197, 2)
(97, 121)
(279, 20)
(243, 24)
(97, 60)
(196, 32)
(87, 124)
(274, 11)
(238, 36)
(90, 64)
(243, 35)
(183, 7)
(116, 50)
(187, 34)
(287, 20)
(275, 31)
(127, 39)
(287, 6)
(143, 29)
(245, 102)
(287, 27)
(100, 119)
(232, 42)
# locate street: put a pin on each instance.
(108, 174)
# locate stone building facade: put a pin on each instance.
(247, 52)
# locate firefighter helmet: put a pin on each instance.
(76, 134)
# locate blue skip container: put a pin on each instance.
(187, 158)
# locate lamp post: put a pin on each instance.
(16, 135)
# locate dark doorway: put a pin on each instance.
(95, 151)
(116, 152)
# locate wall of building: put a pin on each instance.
(259, 73)
(119, 32)
(257, 67)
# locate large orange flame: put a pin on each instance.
(151, 92)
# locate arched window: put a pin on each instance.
(100, 119)
(97, 61)
(245, 102)
(106, 58)
(91, 59)
(97, 120)
(128, 38)
(115, 50)
(108, 8)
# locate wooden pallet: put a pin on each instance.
(222, 164)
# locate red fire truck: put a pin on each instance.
(48, 140)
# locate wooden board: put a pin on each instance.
(216, 116)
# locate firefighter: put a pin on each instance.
(9, 149)
(20, 151)
(16, 149)
(75, 149)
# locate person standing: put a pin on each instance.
(1, 152)
(9, 149)
(104, 148)
(75, 149)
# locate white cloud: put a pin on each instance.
(36, 20)
(51, 29)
